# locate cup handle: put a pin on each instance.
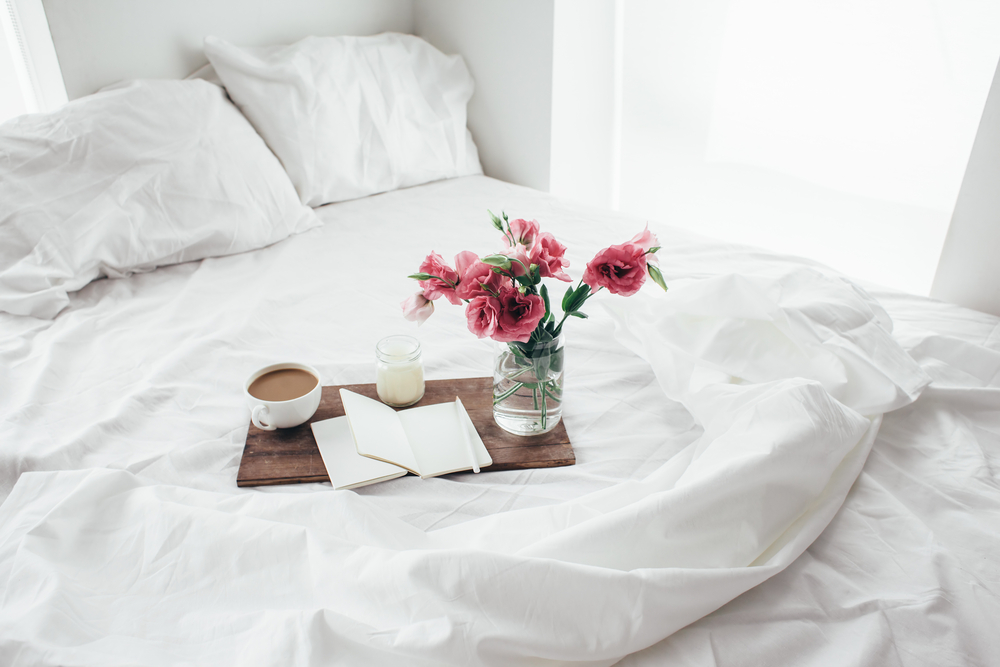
(258, 411)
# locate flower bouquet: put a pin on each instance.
(507, 301)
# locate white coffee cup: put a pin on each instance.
(271, 415)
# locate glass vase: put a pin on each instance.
(528, 386)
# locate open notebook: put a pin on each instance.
(428, 441)
(348, 469)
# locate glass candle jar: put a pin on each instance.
(399, 373)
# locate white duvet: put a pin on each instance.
(764, 426)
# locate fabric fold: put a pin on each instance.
(788, 377)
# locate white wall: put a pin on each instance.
(100, 42)
(584, 150)
(518, 118)
(969, 271)
(507, 45)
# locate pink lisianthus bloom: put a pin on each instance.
(483, 314)
(646, 240)
(520, 253)
(433, 288)
(519, 316)
(474, 276)
(549, 255)
(620, 268)
(418, 308)
(523, 231)
(463, 261)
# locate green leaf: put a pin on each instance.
(517, 347)
(657, 277)
(567, 298)
(497, 260)
(523, 280)
(544, 292)
(652, 250)
(420, 276)
(579, 297)
(556, 363)
(542, 365)
(577, 313)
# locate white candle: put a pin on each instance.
(399, 373)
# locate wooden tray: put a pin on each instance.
(290, 455)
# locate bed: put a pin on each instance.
(852, 516)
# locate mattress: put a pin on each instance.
(132, 398)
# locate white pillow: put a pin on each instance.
(131, 178)
(353, 116)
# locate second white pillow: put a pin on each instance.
(353, 116)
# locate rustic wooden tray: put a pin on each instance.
(290, 455)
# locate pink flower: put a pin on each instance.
(464, 260)
(418, 308)
(434, 288)
(523, 231)
(483, 314)
(519, 316)
(548, 254)
(646, 240)
(620, 268)
(474, 276)
(521, 254)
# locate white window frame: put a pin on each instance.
(34, 54)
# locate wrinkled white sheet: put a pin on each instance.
(124, 538)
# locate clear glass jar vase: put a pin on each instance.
(528, 386)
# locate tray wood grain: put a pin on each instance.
(290, 455)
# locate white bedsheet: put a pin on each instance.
(124, 538)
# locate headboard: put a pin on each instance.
(99, 42)
(507, 45)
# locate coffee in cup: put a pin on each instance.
(282, 395)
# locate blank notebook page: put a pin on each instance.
(348, 469)
(436, 439)
(377, 431)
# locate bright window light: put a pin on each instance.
(838, 131)
(17, 94)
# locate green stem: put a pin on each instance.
(519, 373)
(559, 326)
(444, 280)
(507, 394)
(545, 412)
(513, 276)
